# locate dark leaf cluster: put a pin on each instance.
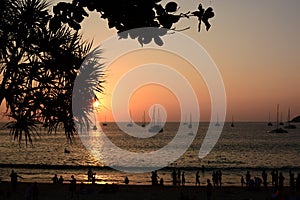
(124, 15)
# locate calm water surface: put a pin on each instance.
(247, 146)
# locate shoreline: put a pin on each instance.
(49, 191)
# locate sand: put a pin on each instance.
(48, 191)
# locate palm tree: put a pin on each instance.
(38, 68)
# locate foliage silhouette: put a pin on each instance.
(38, 68)
(40, 56)
(124, 15)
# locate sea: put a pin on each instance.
(248, 146)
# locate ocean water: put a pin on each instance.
(245, 147)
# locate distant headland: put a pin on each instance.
(296, 119)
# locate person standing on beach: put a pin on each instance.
(292, 180)
(242, 181)
(179, 177)
(273, 177)
(72, 186)
(183, 179)
(248, 177)
(298, 182)
(276, 179)
(55, 179)
(264, 176)
(61, 180)
(14, 179)
(126, 180)
(174, 177)
(209, 190)
(219, 177)
(281, 181)
(90, 174)
(197, 179)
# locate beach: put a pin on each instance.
(49, 191)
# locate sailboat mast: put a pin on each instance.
(289, 116)
(277, 115)
(153, 116)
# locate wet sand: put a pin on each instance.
(48, 191)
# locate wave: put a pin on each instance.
(169, 168)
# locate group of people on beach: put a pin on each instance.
(56, 180)
(277, 180)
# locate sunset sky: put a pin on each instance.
(255, 45)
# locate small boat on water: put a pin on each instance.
(95, 128)
(156, 127)
(289, 125)
(130, 124)
(281, 123)
(104, 123)
(190, 124)
(217, 123)
(270, 123)
(278, 129)
(232, 124)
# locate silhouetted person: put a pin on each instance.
(264, 176)
(94, 178)
(248, 177)
(209, 190)
(55, 179)
(257, 182)
(154, 178)
(242, 181)
(183, 179)
(161, 181)
(179, 176)
(126, 181)
(90, 174)
(174, 177)
(292, 180)
(276, 179)
(281, 181)
(251, 184)
(219, 177)
(197, 178)
(298, 182)
(72, 185)
(61, 180)
(14, 179)
(214, 177)
(273, 177)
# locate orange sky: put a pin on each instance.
(255, 45)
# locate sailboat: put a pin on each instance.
(232, 124)
(156, 128)
(144, 120)
(281, 123)
(278, 130)
(190, 124)
(95, 127)
(104, 123)
(185, 122)
(289, 126)
(270, 123)
(130, 124)
(217, 123)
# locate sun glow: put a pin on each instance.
(96, 104)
